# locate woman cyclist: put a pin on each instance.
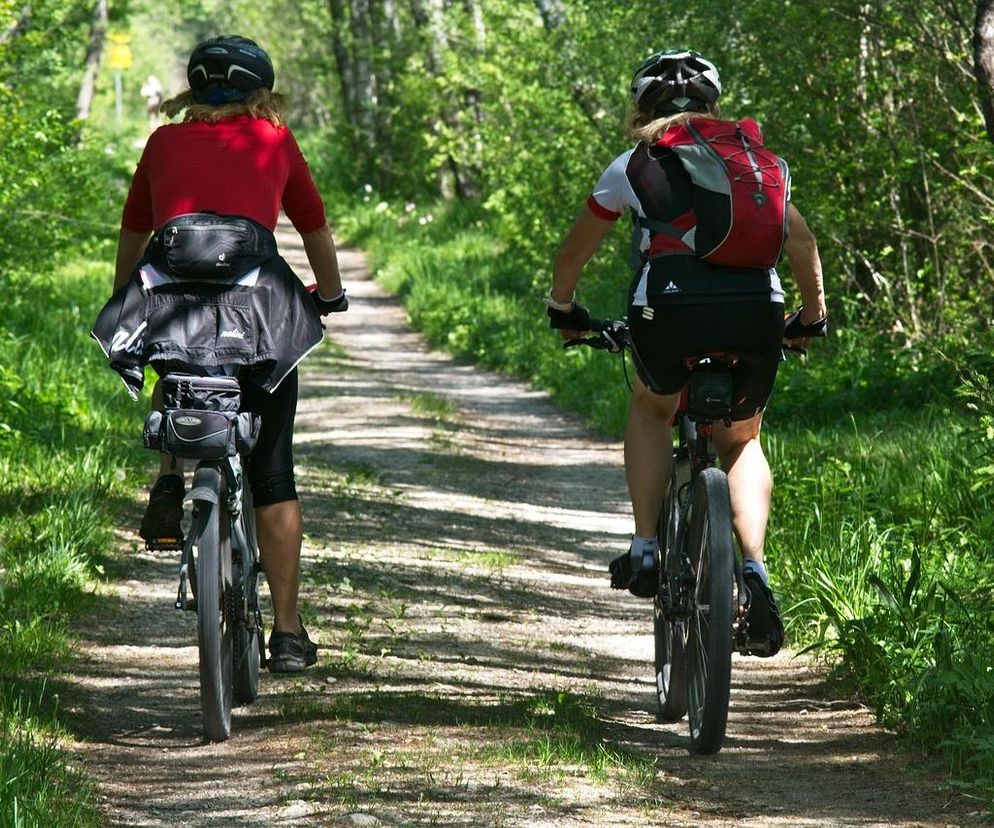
(680, 306)
(234, 156)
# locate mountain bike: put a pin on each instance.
(219, 561)
(699, 611)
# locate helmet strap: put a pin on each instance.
(217, 94)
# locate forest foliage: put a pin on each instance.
(456, 140)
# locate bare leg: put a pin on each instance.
(648, 454)
(749, 481)
(280, 530)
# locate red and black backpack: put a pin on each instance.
(740, 192)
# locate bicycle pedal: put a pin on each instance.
(164, 544)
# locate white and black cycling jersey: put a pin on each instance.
(652, 183)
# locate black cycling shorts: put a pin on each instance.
(752, 330)
(270, 466)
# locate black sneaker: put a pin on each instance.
(289, 653)
(162, 521)
(641, 584)
(764, 627)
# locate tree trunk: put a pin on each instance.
(552, 13)
(98, 32)
(365, 84)
(430, 20)
(343, 63)
(983, 61)
(13, 31)
(386, 26)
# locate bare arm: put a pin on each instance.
(130, 247)
(323, 258)
(802, 255)
(579, 246)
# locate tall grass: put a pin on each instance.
(68, 446)
(880, 537)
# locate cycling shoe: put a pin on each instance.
(764, 628)
(290, 653)
(162, 522)
(641, 584)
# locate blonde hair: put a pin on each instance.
(259, 103)
(648, 128)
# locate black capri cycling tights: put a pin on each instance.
(753, 330)
(270, 468)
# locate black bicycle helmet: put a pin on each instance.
(675, 81)
(227, 68)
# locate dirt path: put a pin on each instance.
(475, 667)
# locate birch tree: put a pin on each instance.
(94, 53)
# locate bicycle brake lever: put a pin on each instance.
(592, 341)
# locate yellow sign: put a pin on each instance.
(119, 54)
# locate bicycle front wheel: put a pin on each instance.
(214, 616)
(709, 643)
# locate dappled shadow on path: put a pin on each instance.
(474, 667)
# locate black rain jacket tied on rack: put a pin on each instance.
(260, 318)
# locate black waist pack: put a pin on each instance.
(201, 420)
(207, 246)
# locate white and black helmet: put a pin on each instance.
(227, 68)
(676, 80)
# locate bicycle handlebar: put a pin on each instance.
(612, 335)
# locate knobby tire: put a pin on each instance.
(214, 626)
(709, 643)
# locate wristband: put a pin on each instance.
(562, 307)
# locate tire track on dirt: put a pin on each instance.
(458, 529)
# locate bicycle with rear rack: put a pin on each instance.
(219, 570)
(699, 611)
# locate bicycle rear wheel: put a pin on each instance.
(670, 636)
(709, 643)
(247, 635)
(214, 603)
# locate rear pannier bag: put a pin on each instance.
(741, 191)
(201, 420)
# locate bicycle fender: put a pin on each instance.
(206, 486)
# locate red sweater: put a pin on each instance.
(243, 166)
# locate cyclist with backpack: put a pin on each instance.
(209, 292)
(706, 240)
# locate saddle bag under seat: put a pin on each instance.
(201, 420)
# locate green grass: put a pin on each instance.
(69, 444)
(38, 785)
(431, 406)
(539, 736)
(494, 560)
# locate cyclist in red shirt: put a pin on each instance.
(679, 306)
(234, 156)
